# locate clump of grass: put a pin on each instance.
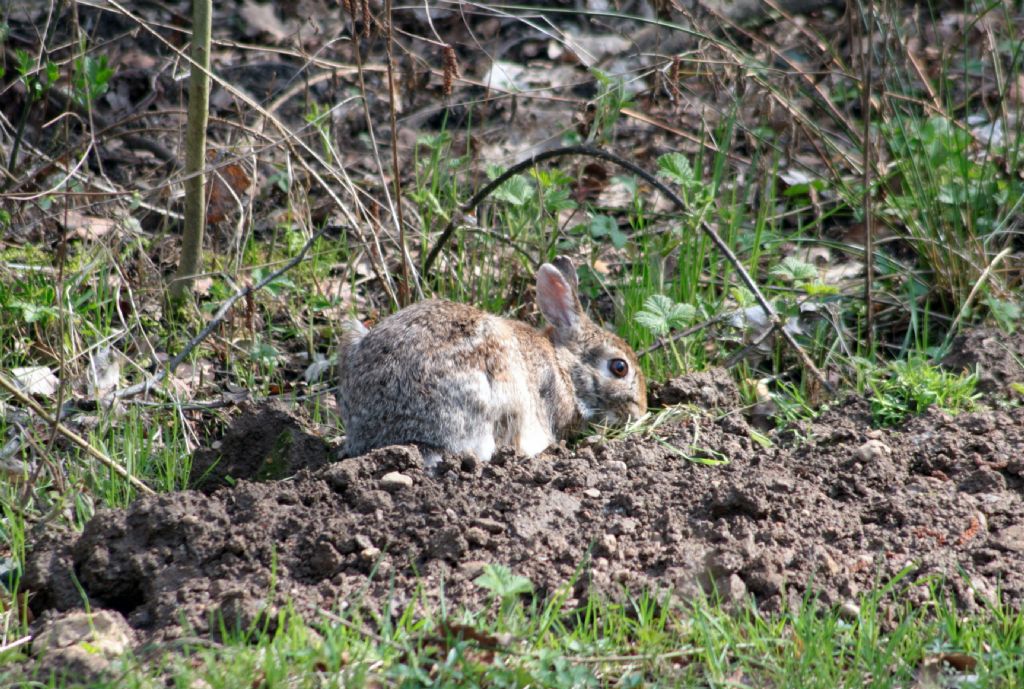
(643, 640)
(909, 388)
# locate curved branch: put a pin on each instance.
(716, 239)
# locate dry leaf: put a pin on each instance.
(36, 380)
(201, 286)
(227, 184)
(261, 18)
(961, 662)
(87, 227)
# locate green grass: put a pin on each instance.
(950, 200)
(639, 641)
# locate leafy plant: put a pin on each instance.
(319, 117)
(612, 97)
(909, 388)
(504, 585)
(795, 271)
(954, 204)
(660, 315)
(26, 68)
(90, 78)
(605, 227)
(516, 191)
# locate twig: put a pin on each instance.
(869, 218)
(662, 341)
(74, 437)
(951, 333)
(154, 380)
(738, 355)
(15, 644)
(288, 137)
(593, 152)
(405, 291)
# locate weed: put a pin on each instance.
(90, 79)
(909, 388)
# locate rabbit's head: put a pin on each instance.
(607, 382)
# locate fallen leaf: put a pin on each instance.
(959, 661)
(261, 18)
(87, 227)
(36, 380)
(227, 184)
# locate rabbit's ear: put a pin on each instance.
(568, 270)
(556, 296)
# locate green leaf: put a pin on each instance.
(516, 191)
(1006, 313)
(795, 270)
(500, 581)
(603, 226)
(661, 314)
(277, 286)
(676, 167)
(264, 352)
(558, 199)
(33, 313)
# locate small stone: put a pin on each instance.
(1011, 538)
(606, 545)
(592, 493)
(626, 525)
(731, 588)
(102, 633)
(477, 536)
(325, 559)
(872, 451)
(830, 565)
(982, 521)
(471, 569)
(489, 525)
(447, 544)
(369, 554)
(849, 611)
(394, 481)
(617, 466)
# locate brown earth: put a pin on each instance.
(834, 505)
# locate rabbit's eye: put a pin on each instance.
(618, 367)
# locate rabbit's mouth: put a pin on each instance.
(618, 416)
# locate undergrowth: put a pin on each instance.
(790, 167)
(641, 640)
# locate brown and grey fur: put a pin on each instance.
(452, 378)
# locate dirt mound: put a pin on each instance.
(995, 355)
(834, 504)
(264, 443)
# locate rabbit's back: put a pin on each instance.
(449, 377)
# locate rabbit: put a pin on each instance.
(451, 378)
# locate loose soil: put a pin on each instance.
(832, 505)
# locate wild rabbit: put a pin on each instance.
(451, 378)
